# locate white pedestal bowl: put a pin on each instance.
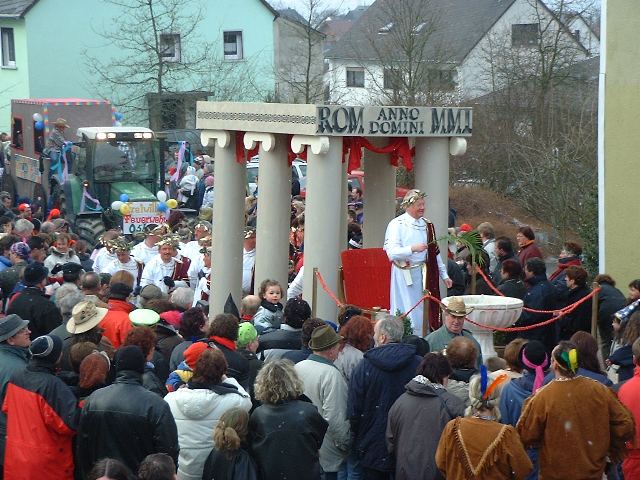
(493, 311)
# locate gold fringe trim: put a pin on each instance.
(493, 452)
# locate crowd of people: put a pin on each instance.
(112, 367)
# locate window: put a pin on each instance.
(233, 46)
(355, 77)
(442, 79)
(16, 133)
(8, 48)
(170, 47)
(391, 79)
(385, 29)
(524, 34)
(418, 28)
(576, 35)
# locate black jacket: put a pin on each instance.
(513, 288)
(255, 364)
(234, 465)
(285, 440)
(9, 278)
(32, 304)
(610, 300)
(281, 339)
(124, 421)
(578, 319)
(237, 364)
(540, 296)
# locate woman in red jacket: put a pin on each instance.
(527, 242)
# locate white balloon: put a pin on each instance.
(116, 205)
(37, 117)
(161, 196)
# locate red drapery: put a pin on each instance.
(398, 147)
(244, 155)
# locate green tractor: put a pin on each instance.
(104, 166)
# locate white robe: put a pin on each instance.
(131, 266)
(195, 266)
(155, 271)
(144, 254)
(248, 262)
(201, 286)
(103, 258)
(402, 232)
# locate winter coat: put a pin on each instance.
(457, 277)
(166, 340)
(255, 364)
(496, 273)
(529, 252)
(597, 376)
(610, 300)
(285, 338)
(268, 317)
(179, 377)
(116, 323)
(376, 384)
(125, 421)
(540, 296)
(623, 357)
(512, 287)
(151, 382)
(512, 398)
(325, 386)
(558, 277)
(9, 277)
(32, 304)
(4, 263)
(629, 395)
(230, 465)
(296, 356)
(285, 440)
(12, 358)
(237, 365)
(348, 360)
(177, 355)
(56, 258)
(580, 318)
(421, 412)
(197, 410)
(42, 418)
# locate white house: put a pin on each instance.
(465, 39)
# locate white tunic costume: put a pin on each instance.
(248, 262)
(131, 266)
(103, 259)
(407, 285)
(202, 286)
(197, 264)
(155, 271)
(143, 253)
(191, 250)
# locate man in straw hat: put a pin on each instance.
(327, 390)
(410, 244)
(56, 139)
(454, 314)
(168, 269)
(124, 260)
(148, 249)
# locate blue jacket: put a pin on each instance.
(540, 296)
(376, 383)
(512, 398)
(4, 263)
(623, 357)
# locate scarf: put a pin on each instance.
(539, 369)
(225, 342)
(272, 307)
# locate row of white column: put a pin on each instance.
(325, 212)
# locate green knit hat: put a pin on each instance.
(247, 333)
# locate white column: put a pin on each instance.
(228, 221)
(431, 169)
(344, 207)
(322, 243)
(379, 195)
(274, 205)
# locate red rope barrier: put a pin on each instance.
(526, 309)
(324, 286)
(558, 313)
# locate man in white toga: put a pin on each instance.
(410, 244)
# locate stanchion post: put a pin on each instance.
(474, 274)
(314, 292)
(594, 310)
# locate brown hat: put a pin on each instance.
(456, 307)
(323, 338)
(61, 122)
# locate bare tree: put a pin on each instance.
(161, 52)
(404, 54)
(535, 137)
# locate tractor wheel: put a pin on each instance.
(89, 228)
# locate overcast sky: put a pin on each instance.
(344, 5)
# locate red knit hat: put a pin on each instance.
(54, 213)
(172, 317)
(465, 227)
(192, 354)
